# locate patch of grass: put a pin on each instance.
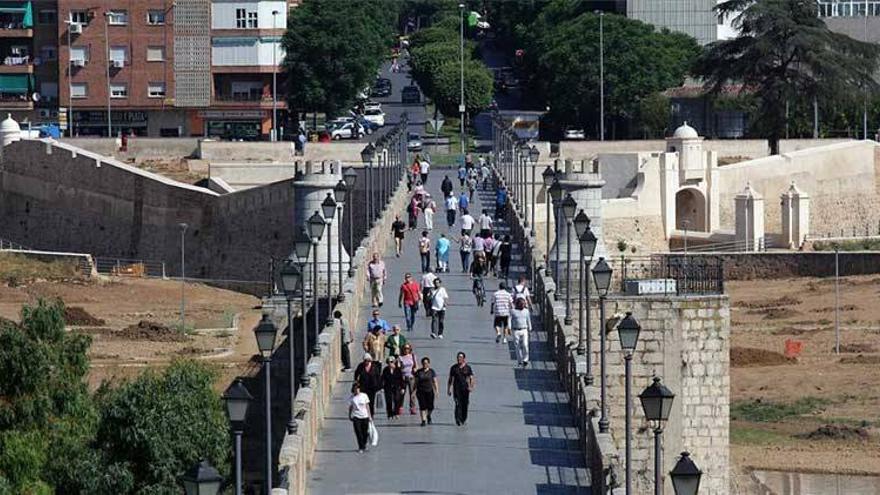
(747, 435)
(16, 269)
(187, 329)
(770, 412)
(850, 245)
(228, 318)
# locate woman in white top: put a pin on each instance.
(521, 324)
(429, 209)
(359, 414)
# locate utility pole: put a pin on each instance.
(274, 82)
(107, 52)
(461, 106)
(601, 75)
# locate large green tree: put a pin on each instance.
(333, 50)
(477, 87)
(784, 54)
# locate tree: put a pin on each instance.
(653, 114)
(784, 53)
(333, 50)
(477, 87)
(563, 56)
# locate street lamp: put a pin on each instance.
(265, 332)
(602, 278)
(367, 155)
(302, 245)
(628, 332)
(202, 479)
(461, 106)
(656, 401)
(329, 208)
(534, 154)
(581, 224)
(291, 280)
(685, 476)
(340, 191)
(569, 206)
(350, 177)
(548, 175)
(555, 191)
(316, 231)
(237, 399)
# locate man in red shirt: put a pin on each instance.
(410, 296)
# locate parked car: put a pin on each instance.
(380, 91)
(368, 125)
(411, 95)
(346, 131)
(375, 116)
(372, 105)
(413, 142)
(574, 133)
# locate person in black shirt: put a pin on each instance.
(460, 385)
(426, 389)
(504, 255)
(392, 382)
(398, 228)
(368, 375)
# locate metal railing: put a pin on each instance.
(10, 245)
(729, 246)
(678, 274)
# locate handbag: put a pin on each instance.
(373, 434)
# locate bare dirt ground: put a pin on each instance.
(818, 411)
(134, 323)
(173, 169)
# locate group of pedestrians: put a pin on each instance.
(390, 370)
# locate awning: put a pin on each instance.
(14, 83)
(19, 8)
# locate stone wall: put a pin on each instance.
(139, 148)
(644, 234)
(746, 148)
(283, 152)
(749, 266)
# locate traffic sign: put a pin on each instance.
(436, 124)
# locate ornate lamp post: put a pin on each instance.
(291, 281)
(237, 399)
(657, 403)
(534, 154)
(316, 231)
(555, 191)
(548, 175)
(341, 193)
(569, 207)
(602, 278)
(328, 206)
(265, 332)
(587, 247)
(628, 332)
(685, 476)
(367, 155)
(202, 479)
(350, 177)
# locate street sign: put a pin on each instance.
(436, 124)
(461, 109)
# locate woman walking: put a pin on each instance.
(505, 254)
(521, 323)
(398, 229)
(392, 382)
(425, 251)
(359, 414)
(408, 362)
(413, 212)
(466, 245)
(426, 390)
(430, 207)
(442, 251)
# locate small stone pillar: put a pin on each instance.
(749, 219)
(311, 188)
(584, 183)
(795, 217)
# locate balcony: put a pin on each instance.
(16, 20)
(247, 100)
(13, 64)
(15, 102)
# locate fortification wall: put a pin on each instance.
(746, 148)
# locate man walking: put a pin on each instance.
(424, 168)
(485, 224)
(376, 275)
(439, 300)
(410, 295)
(446, 186)
(376, 320)
(427, 287)
(521, 322)
(451, 206)
(467, 223)
(460, 385)
(425, 251)
(502, 301)
(347, 338)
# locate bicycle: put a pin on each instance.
(479, 291)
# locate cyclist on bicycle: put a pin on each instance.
(478, 270)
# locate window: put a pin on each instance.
(49, 91)
(252, 20)
(155, 17)
(47, 16)
(245, 19)
(119, 90)
(48, 52)
(79, 17)
(155, 53)
(79, 55)
(79, 90)
(156, 90)
(118, 17)
(118, 55)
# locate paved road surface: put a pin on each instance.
(519, 439)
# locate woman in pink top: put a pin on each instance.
(408, 362)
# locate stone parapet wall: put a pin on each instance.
(298, 448)
(749, 266)
(745, 148)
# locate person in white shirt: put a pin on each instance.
(424, 168)
(502, 301)
(429, 209)
(467, 223)
(521, 323)
(439, 301)
(521, 291)
(451, 206)
(427, 286)
(359, 414)
(485, 224)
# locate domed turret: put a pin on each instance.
(685, 132)
(10, 131)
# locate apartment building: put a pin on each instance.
(29, 60)
(171, 67)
